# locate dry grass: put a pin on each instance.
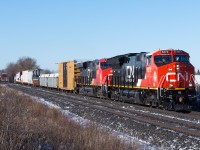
(26, 124)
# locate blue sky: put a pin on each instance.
(53, 31)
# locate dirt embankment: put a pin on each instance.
(26, 124)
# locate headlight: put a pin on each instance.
(177, 67)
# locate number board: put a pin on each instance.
(164, 52)
(179, 51)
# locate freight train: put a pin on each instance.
(4, 78)
(164, 78)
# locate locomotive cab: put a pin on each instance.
(172, 75)
(94, 78)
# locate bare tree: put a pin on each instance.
(27, 63)
(24, 63)
(12, 69)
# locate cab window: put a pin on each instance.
(181, 58)
(148, 60)
(162, 60)
(105, 65)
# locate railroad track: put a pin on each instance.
(181, 125)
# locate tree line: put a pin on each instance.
(23, 63)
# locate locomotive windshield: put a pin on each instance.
(162, 60)
(105, 65)
(181, 58)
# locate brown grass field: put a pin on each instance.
(27, 124)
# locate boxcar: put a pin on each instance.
(4, 77)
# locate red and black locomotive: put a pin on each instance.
(164, 78)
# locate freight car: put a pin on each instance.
(68, 71)
(17, 78)
(35, 77)
(197, 83)
(4, 77)
(49, 80)
(196, 104)
(30, 77)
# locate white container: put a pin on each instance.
(30, 77)
(27, 77)
(53, 80)
(49, 80)
(17, 78)
(44, 80)
(24, 77)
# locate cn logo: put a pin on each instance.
(176, 76)
(130, 71)
(89, 73)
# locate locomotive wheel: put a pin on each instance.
(176, 107)
(168, 106)
(112, 96)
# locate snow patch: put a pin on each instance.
(129, 139)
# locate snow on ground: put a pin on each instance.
(167, 116)
(129, 139)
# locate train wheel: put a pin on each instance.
(168, 106)
(112, 96)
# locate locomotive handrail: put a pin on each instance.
(192, 76)
(104, 79)
(160, 83)
(162, 79)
